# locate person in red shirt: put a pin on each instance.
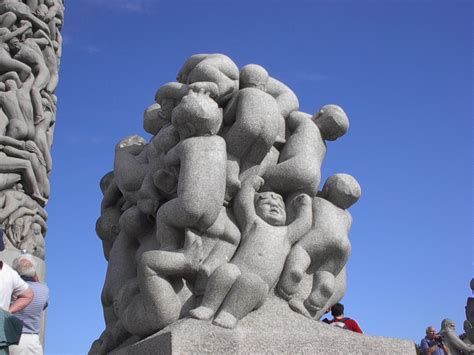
(341, 321)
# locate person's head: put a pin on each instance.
(2, 243)
(168, 96)
(153, 120)
(342, 190)
(270, 207)
(337, 310)
(253, 76)
(36, 228)
(332, 122)
(18, 187)
(42, 10)
(430, 332)
(10, 85)
(25, 265)
(197, 115)
(14, 45)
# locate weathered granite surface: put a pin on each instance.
(222, 205)
(30, 54)
(272, 329)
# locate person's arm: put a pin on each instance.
(244, 205)
(354, 326)
(426, 349)
(23, 300)
(304, 218)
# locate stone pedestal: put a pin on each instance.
(273, 329)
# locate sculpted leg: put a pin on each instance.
(222, 251)
(158, 294)
(169, 216)
(217, 288)
(296, 265)
(323, 287)
(247, 293)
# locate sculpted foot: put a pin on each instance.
(40, 199)
(296, 304)
(225, 320)
(285, 295)
(202, 313)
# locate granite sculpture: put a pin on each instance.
(30, 54)
(454, 344)
(221, 208)
(469, 322)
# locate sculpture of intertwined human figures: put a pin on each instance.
(30, 53)
(221, 208)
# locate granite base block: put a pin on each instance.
(273, 329)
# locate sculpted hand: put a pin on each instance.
(255, 181)
(206, 87)
(301, 200)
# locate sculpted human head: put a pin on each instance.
(197, 115)
(36, 228)
(342, 190)
(332, 122)
(253, 76)
(270, 207)
(168, 96)
(448, 324)
(14, 45)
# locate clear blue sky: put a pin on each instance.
(402, 70)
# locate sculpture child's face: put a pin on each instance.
(271, 208)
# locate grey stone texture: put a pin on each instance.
(455, 345)
(220, 207)
(30, 54)
(272, 329)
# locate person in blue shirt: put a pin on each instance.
(432, 343)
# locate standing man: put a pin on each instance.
(11, 285)
(432, 343)
(340, 321)
(30, 316)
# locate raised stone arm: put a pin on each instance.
(244, 207)
(304, 218)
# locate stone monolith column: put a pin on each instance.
(30, 55)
